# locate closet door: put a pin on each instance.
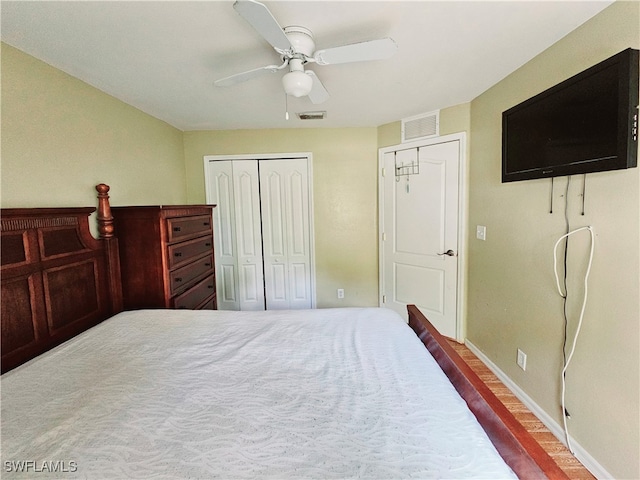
(284, 198)
(221, 194)
(263, 242)
(246, 196)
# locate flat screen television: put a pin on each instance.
(588, 123)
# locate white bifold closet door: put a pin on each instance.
(284, 200)
(262, 236)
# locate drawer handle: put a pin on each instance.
(208, 244)
(178, 280)
(208, 264)
(178, 254)
(176, 229)
(206, 224)
(210, 287)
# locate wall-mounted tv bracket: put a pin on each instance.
(584, 190)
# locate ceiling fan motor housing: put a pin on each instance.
(301, 40)
(296, 83)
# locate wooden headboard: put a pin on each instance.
(57, 280)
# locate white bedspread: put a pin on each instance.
(333, 393)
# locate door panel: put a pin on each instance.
(248, 234)
(284, 195)
(299, 225)
(421, 192)
(226, 287)
(221, 194)
(420, 222)
(300, 274)
(409, 282)
(251, 287)
(278, 283)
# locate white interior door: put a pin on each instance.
(284, 194)
(419, 224)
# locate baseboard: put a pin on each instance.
(580, 453)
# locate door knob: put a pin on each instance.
(449, 253)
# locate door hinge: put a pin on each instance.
(383, 171)
(384, 299)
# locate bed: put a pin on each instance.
(327, 393)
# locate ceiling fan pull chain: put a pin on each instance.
(286, 107)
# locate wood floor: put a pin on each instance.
(565, 460)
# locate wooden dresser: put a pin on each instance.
(166, 256)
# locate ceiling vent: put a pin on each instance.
(311, 115)
(421, 126)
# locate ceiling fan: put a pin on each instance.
(296, 47)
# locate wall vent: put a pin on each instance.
(421, 126)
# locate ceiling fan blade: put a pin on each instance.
(357, 52)
(260, 18)
(318, 93)
(244, 76)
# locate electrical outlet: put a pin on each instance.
(481, 232)
(522, 360)
(341, 293)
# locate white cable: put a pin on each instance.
(584, 304)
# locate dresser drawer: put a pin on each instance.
(210, 304)
(186, 227)
(182, 277)
(185, 252)
(196, 295)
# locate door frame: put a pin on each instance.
(463, 214)
(276, 156)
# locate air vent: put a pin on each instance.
(311, 115)
(421, 126)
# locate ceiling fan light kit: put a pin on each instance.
(297, 83)
(296, 47)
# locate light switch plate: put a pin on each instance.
(481, 232)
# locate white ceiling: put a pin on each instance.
(163, 56)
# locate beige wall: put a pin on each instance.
(512, 299)
(345, 198)
(61, 137)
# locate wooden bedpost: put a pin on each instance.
(106, 230)
(105, 219)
